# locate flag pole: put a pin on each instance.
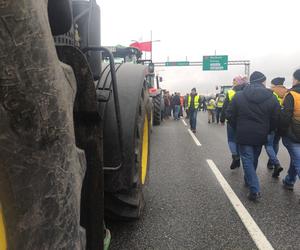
(151, 45)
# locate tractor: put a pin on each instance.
(133, 55)
(74, 131)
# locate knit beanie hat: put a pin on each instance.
(238, 80)
(257, 77)
(296, 74)
(278, 81)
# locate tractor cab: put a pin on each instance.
(223, 89)
(124, 54)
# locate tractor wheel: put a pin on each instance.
(124, 197)
(157, 110)
(3, 244)
(41, 169)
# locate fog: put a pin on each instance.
(264, 32)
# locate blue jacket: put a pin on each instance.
(253, 113)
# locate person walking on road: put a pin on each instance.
(203, 101)
(211, 110)
(181, 105)
(253, 113)
(272, 145)
(193, 104)
(176, 102)
(238, 85)
(186, 106)
(167, 102)
(290, 127)
(219, 105)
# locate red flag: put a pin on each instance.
(144, 46)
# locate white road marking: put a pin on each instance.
(184, 122)
(256, 234)
(194, 138)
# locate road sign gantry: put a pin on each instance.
(245, 63)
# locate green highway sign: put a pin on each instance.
(180, 63)
(215, 62)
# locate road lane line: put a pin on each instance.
(256, 234)
(184, 122)
(194, 138)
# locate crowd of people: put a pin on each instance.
(175, 105)
(256, 117)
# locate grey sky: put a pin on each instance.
(265, 32)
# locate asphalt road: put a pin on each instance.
(187, 207)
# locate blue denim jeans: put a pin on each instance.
(218, 114)
(193, 118)
(249, 155)
(176, 111)
(276, 143)
(231, 140)
(271, 150)
(294, 152)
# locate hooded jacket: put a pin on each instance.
(236, 88)
(288, 126)
(253, 113)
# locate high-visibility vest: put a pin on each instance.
(211, 105)
(220, 103)
(196, 101)
(231, 94)
(280, 100)
(296, 97)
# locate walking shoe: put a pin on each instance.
(254, 196)
(277, 171)
(194, 131)
(270, 165)
(236, 163)
(287, 185)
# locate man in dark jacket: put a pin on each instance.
(176, 102)
(290, 129)
(253, 113)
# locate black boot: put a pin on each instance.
(270, 165)
(277, 171)
(236, 163)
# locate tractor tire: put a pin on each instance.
(157, 110)
(41, 169)
(124, 197)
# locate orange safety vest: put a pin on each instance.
(296, 97)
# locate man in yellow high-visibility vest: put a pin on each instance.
(211, 106)
(239, 83)
(219, 105)
(272, 146)
(193, 105)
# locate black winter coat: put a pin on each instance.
(288, 127)
(176, 100)
(253, 113)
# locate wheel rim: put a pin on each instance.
(3, 244)
(145, 149)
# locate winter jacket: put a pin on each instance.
(289, 126)
(253, 113)
(227, 101)
(176, 100)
